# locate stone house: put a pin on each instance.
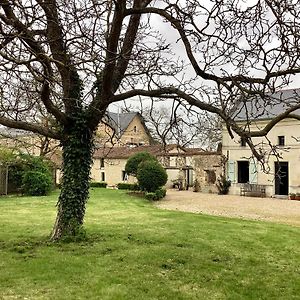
(115, 129)
(281, 147)
(123, 129)
(119, 136)
(184, 164)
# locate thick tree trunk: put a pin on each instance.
(77, 160)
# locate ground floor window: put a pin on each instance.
(124, 176)
(243, 171)
(102, 176)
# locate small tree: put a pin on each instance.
(151, 175)
(134, 161)
(223, 185)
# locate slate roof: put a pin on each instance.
(120, 121)
(269, 107)
(13, 133)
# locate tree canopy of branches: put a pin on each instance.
(68, 60)
(174, 124)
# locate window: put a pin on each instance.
(166, 161)
(243, 142)
(210, 176)
(281, 140)
(243, 171)
(124, 176)
(102, 163)
(102, 176)
(134, 129)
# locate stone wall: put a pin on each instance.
(207, 169)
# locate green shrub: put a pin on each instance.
(36, 183)
(128, 186)
(133, 162)
(23, 163)
(151, 196)
(151, 175)
(100, 184)
(161, 192)
(157, 195)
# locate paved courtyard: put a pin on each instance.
(266, 209)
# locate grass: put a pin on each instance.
(136, 251)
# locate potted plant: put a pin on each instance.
(292, 196)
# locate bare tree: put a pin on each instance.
(181, 125)
(74, 58)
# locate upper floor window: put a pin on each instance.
(165, 161)
(134, 129)
(243, 142)
(281, 140)
(102, 163)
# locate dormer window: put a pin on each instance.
(281, 140)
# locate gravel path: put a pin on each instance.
(267, 209)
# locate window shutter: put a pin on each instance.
(231, 171)
(252, 171)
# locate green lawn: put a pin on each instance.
(136, 251)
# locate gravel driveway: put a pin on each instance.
(266, 209)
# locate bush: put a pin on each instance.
(101, 184)
(157, 195)
(128, 186)
(24, 163)
(151, 196)
(151, 175)
(161, 193)
(36, 183)
(223, 185)
(133, 162)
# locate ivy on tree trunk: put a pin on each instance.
(77, 149)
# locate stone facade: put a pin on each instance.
(182, 164)
(282, 149)
(207, 169)
(123, 129)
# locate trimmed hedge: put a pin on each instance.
(101, 184)
(134, 161)
(151, 176)
(128, 186)
(157, 195)
(161, 192)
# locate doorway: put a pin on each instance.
(189, 177)
(281, 178)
